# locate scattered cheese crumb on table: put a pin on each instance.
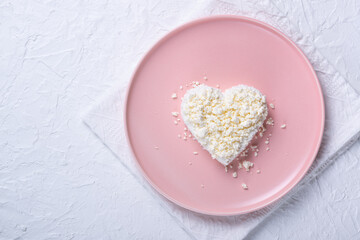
(258, 171)
(195, 153)
(244, 186)
(283, 126)
(272, 105)
(174, 96)
(175, 114)
(234, 174)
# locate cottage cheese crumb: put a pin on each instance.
(226, 169)
(234, 174)
(175, 122)
(262, 129)
(195, 153)
(267, 149)
(244, 186)
(255, 154)
(283, 126)
(244, 154)
(247, 165)
(270, 121)
(272, 105)
(174, 96)
(258, 171)
(175, 114)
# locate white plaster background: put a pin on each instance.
(57, 181)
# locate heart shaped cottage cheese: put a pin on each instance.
(224, 124)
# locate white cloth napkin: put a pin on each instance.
(342, 126)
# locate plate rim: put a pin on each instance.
(170, 34)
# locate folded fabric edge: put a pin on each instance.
(138, 178)
(343, 148)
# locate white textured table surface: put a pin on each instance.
(57, 181)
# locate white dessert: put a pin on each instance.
(224, 123)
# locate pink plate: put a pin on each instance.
(229, 50)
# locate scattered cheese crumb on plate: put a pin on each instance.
(247, 165)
